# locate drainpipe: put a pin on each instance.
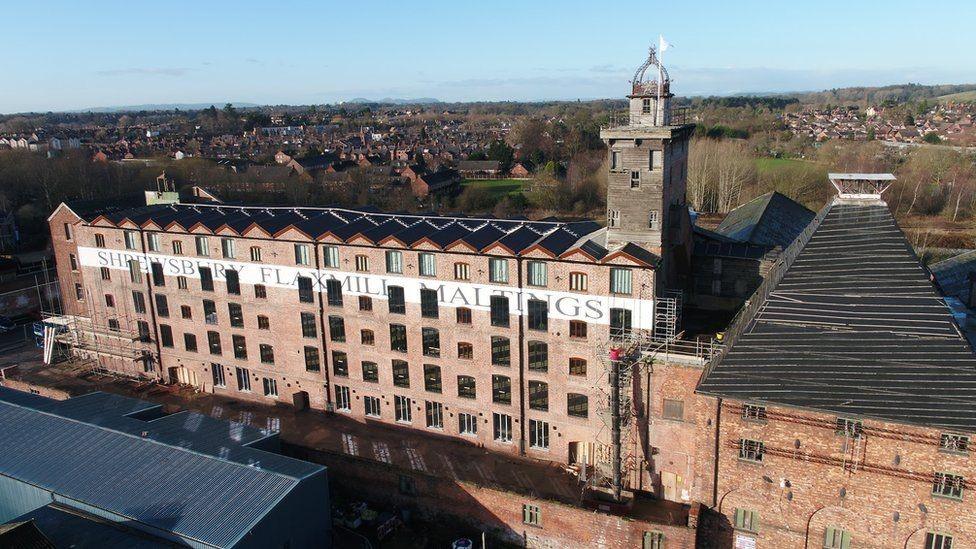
(521, 343)
(151, 298)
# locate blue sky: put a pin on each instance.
(68, 55)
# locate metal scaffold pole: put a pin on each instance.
(615, 444)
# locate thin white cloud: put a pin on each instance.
(145, 71)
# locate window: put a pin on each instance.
(337, 327)
(653, 220)
(367, 337)
(233, 279)
(227, 248)
(178, 247)
(255, 254)
(110, 300)
(835, 538)
(614, 160)
(305, 294)
(674, 409)
(333, 292)
(394, 261)
(538, 356)
(577, 405)
(74, 262)
(951, 442)
(613, 218)
(539, 396)
(499, 311)
(362, 263)
(531, 514)
(263, 323)
(135, 272)
(498, 270)
(313, 362)
(79, 292)
(536, 273)
(463, 315)
(621, 281)
(309, 330)
(620, 326)
(538, 315)
(577, 282)
(181, 282)
(751, 450)
(401, 373)
(577, 328)
(539, 434)
(372, 406)
(206, 279)
(157, 273)
(398, 337)
(656, 160)
(99, 240)
(203, 246)
(501, 389)
(646, 106)
(139, 302)
(217, 371)
(435, 415)
(267, 353)
(462, 271)
(340, 364)
(428, 303)
(501, 351)
(402, 410)
(466, 387)
(236, 315)
(467, 424)
(330, 255)
(143, 327)
(209, 311)
(746, 519)
(213, 341)
(635, 179)
(130, 240)
(502, 427)
(653, 540)
(751, 412)
(113, 325)
(432, 378)
(397, 303)
(465, 350)
(106, 274)
(165, 332)
(365, 303)
(427, 264)
(240, 346)
(162, 306)
(243, 379)
(301, 255)
(431, 339)
(948, 485)
(849, 427)
(577, 367)
(371, 372)
(935, 540)
(270, 387)
(67, 232)
(343, 402)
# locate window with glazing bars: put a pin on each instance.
(498, 270)
(233, 280)
(751, 450)
(539, 434)
(435, 415)
(577, 328)
(398, 337)
(267, 353)
(157, 273)
(138, 301)
(213, 340)
(209, 311)
(463, 315)
(431, 339)
(501, 389)
(432, 378)
(948, 485)
(537, 275)
(397, 303)
(305, 293)
(499, 311)
(330, 256)
(313, 361)
(206, 279)
(340, 364)
(539, 396)
(367, 337)
(365, 303)
(236, 315)
(577, 367)
(427, 264)
(240, 347)
(162, 306)
(538, 356)
(401, 373)
(501, 351)
(466, 387)
(538, 315)
(333, 292)
(621, 281)
(428, 303)
(371, 371)
(394, 261)
(465, 350)
(577, 405)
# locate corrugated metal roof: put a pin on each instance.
(187, 476)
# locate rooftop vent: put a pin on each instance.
(861, 185)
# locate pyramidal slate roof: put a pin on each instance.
(853, 327)
(768, 220)
(517, 236)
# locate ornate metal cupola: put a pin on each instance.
(650, 98)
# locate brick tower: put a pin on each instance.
(648, 148)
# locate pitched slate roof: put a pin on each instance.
(854, 327)
(953, 274)
(768, 220)
(184, 473)
(517, 235)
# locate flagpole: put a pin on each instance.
(659, 110)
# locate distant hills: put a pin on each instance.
(163, 107)
(899, 93)
(395, 101)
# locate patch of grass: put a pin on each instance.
(765, 165)
(497, 187)
(961, 96)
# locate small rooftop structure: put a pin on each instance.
(861, 185)
(184, 477)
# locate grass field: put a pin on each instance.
(498, 187)
(961, 96)
(765, 165)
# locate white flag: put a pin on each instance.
(664, 44)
